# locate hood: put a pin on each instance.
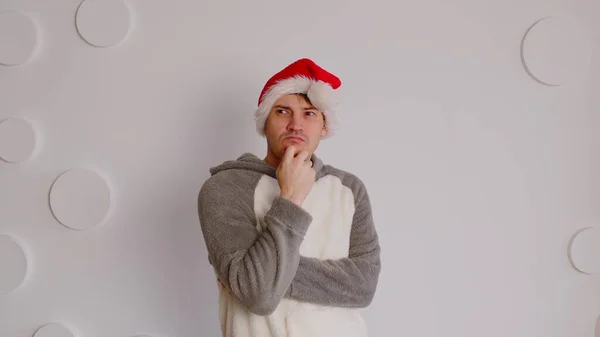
(251, 162)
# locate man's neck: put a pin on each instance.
(271, 159)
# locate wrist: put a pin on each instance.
(290, 197)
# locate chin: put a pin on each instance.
(298, 145)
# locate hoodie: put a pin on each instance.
(285, 270)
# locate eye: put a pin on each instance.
(311, 113)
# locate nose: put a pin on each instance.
(295, 123)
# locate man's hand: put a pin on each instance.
(295, 175)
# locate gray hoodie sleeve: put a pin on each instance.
(256, 267)
(349, 282)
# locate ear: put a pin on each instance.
(324, 131)
(267, 120)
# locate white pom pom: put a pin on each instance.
(322, 96)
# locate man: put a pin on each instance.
(291, 240)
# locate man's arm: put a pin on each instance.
(256, 267)
(349, 282)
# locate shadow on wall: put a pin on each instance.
(219, 128)
(222, 128)
(229, 121)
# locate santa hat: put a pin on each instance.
(306, 77)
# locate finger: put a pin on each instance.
(303, 155)
(289, 153)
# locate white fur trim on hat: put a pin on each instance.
(321, 95)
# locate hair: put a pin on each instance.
(305, 97)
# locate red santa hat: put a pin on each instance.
(306, 77)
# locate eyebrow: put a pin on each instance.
(289, 108)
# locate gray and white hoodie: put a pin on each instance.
(286, 270)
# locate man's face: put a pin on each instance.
(294, 121)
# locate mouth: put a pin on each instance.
(294, 138)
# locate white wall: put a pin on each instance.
(481, 157)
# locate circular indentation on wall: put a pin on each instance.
(53, 330)
(584, 250)
(80, 199)
(557, 51)
(18, 38)
(13, 264)
(17, 140)
(103, 23)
